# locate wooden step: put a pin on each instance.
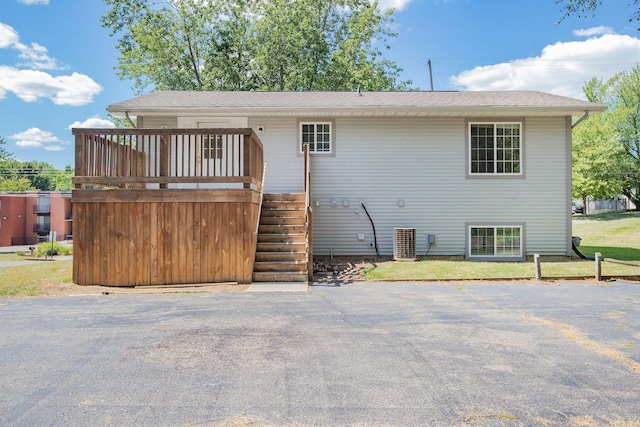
(282, 205)
(281, 229)
(281, 220)
(279, 276)
(281, 247)
(284, 197)
(281, 238)
(285, 215)
(286, 211)
(291, 266)
(281, 256)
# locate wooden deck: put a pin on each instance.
(166, 206)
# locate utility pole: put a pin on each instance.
(430, 73)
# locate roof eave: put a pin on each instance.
(376, 111)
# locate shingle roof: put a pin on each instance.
(351, 103)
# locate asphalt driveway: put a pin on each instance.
(357, 354)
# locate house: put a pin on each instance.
(481, 175)
(27, 218)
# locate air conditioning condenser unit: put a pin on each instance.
(404, 244)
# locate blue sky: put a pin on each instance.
(57, 62)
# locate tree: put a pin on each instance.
(625, 88)
(39, 174)
(15, 184)
(4, 154)
(253, 44)
(62, 180)
(608, 148)
(583, 8)
(22, 176)
(597, 158)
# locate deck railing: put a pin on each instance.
(167, 158)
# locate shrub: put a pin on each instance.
(49, 249)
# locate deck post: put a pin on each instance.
(246, 149)
(81, 158)
(164, 158)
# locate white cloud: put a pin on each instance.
(28, 144)
(8, 36)
(593, 31)
(396, 4)
(31, 2)
(30, 85)
(34, 56)
(35, 138)
(92, 122)
(38, 57)
(561, 68)
(54, 148)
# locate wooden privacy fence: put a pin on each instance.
(165, 206)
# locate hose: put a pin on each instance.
(375, 239)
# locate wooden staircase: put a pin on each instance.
(281, 254)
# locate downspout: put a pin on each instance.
(573, 245)
(126, 115)
(584, 116)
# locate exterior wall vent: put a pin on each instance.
(404, 244)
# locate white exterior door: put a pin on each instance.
(214, 155)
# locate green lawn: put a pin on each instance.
(30, 279)
(613, 235)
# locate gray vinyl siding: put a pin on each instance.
(422, 162)
(157, 122)
(285, 167)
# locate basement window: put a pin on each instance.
(495, 242)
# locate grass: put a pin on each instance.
(31, 279)
(613, 235)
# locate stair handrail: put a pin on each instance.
(308, 215)
(264, 172)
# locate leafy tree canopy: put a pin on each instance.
(16, 184)
(4, 154)
(608, 146)
(39, 175)
(597, 160)
(253, 44)
(585, 8)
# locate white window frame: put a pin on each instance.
(495, 160)
(496, 255)
(315, 124)
(212, 147)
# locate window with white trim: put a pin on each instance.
(318, 135)
(495, 241)
(495, 148)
